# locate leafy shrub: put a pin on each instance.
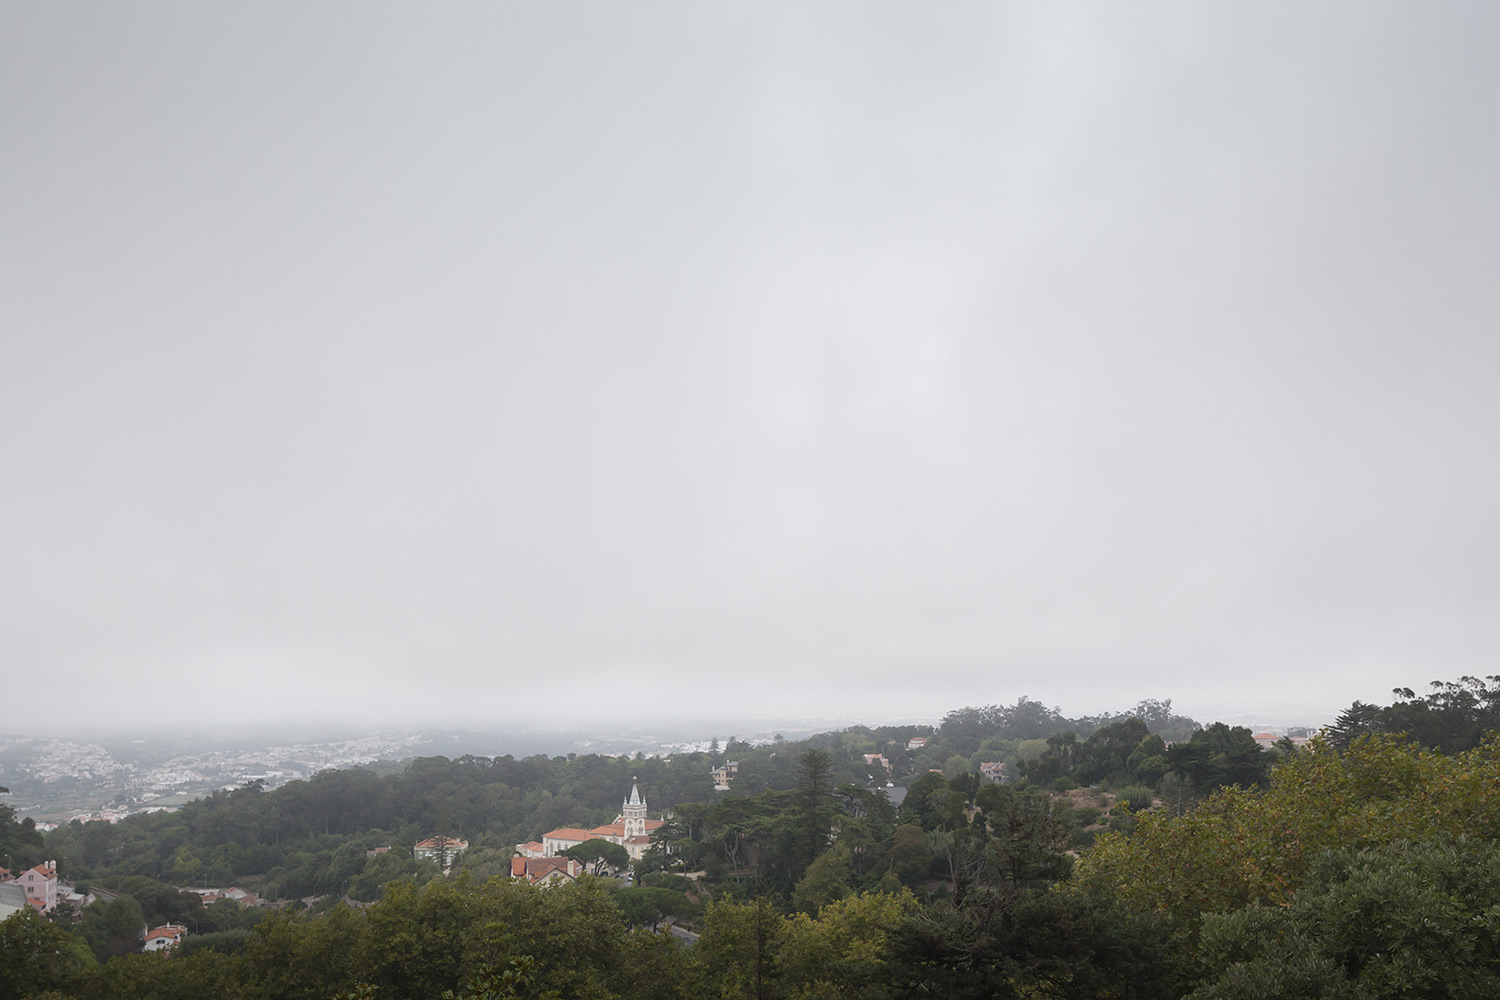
(230, 942)
(1081, 816)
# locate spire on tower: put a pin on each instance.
(633, 813)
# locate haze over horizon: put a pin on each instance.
(522, 737)
(499, 364)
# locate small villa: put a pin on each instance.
(40, 884)
(432, 847)
(545, 871)
(164, 937)
(724, 774)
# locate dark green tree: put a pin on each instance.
(648, 906)
(598, 856)
(911, 858)
(1220, 755)
(1030, 841)
(926, 800)
(113, 928)
(814, 808)
(1147, 763)
(1057, 761)
(1008, 943)
(1452, 717)
(1105, 755)
(1402, 920)
(36, 956)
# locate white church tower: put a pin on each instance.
(633, 813)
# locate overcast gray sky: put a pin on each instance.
(398, 362)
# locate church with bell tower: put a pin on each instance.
(631, 830)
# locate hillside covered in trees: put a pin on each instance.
(1130, 856)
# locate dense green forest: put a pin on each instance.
(1132, 855)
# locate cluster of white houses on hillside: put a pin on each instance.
(631, 830)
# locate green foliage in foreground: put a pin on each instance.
(1401, 920)
(457, 939)
(503, 939)
(1374, 872)
(1243, 847)
(36, 956)
(1360, 869)
(1370, 873)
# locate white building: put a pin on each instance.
(163, 937)
(12, 899)
(433, 848)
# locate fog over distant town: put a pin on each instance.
(579, 367)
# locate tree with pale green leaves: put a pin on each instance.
(1241, 847)
(826, 880)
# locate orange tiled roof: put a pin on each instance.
(569, 833)
(598, 832)
(535, 870)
